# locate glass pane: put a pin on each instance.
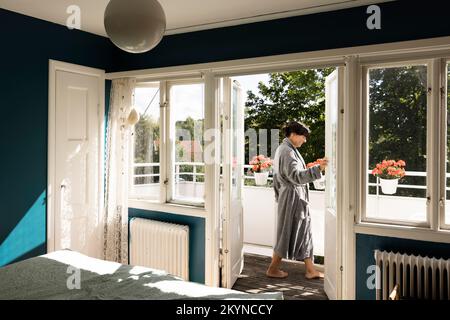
(332, 114)
(236, 144)
(447, 193)
(187, 125)
(397, 131)
(145, 179)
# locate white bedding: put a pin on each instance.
(54, 276)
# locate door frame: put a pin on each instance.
(55, 66)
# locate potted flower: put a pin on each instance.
(389, 172)
(319, 184)
(261, 166)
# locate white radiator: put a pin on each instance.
(160, 245)
(417, 277)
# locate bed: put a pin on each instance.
(67, 275)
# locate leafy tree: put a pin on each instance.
(146, 147)
(397, 120)
(397, 113)
(298, 95)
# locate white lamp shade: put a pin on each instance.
(135, 26)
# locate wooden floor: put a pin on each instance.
(295, 287)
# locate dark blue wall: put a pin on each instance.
(196, 238)
(26, 46)
(367, 244)
(401, 20)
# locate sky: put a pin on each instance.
(186, 100)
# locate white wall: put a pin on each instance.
(260, 215)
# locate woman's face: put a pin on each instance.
(297, 140)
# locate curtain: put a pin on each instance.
(117, 172)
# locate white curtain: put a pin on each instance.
(116, 169)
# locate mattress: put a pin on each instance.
(69, 275)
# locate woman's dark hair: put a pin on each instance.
(297, 128)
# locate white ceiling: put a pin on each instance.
(183, 15)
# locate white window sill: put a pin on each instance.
(174, 208)
(403, 232)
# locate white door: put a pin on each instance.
(232, 163)
(333, 242)
(77, 164)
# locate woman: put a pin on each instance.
(290, 181)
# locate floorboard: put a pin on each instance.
(295, 287)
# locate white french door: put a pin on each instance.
(232, 106)
(333, 214)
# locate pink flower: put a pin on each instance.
(389, 169)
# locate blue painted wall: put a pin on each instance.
(401, 20)
(367, 244)
(27, 44)
(196, 238)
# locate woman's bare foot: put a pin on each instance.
(314, 275)
(276, 273)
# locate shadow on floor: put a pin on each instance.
(295, 287)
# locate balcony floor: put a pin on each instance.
(295, 287)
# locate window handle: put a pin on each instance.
(166, 181)
(428, 200)
(441, 202)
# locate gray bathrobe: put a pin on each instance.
(290, 181)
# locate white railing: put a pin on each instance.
(194, 173)
(259, 203)
(407, 186)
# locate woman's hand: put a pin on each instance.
(323, 163)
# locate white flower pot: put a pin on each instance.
(319, 184)
(389, 186)
(261, 178)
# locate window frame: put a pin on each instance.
(444, 72)
(132, 196)
(166, 151)
(168, 136)
(430, 153)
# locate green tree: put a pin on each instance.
(298, 95)
(397, 120)
(146, 147)
(397, 114)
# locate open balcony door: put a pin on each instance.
(232, 162)
(333, 214)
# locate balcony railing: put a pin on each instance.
(260, 207)
(197, 172)
(178, 171)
